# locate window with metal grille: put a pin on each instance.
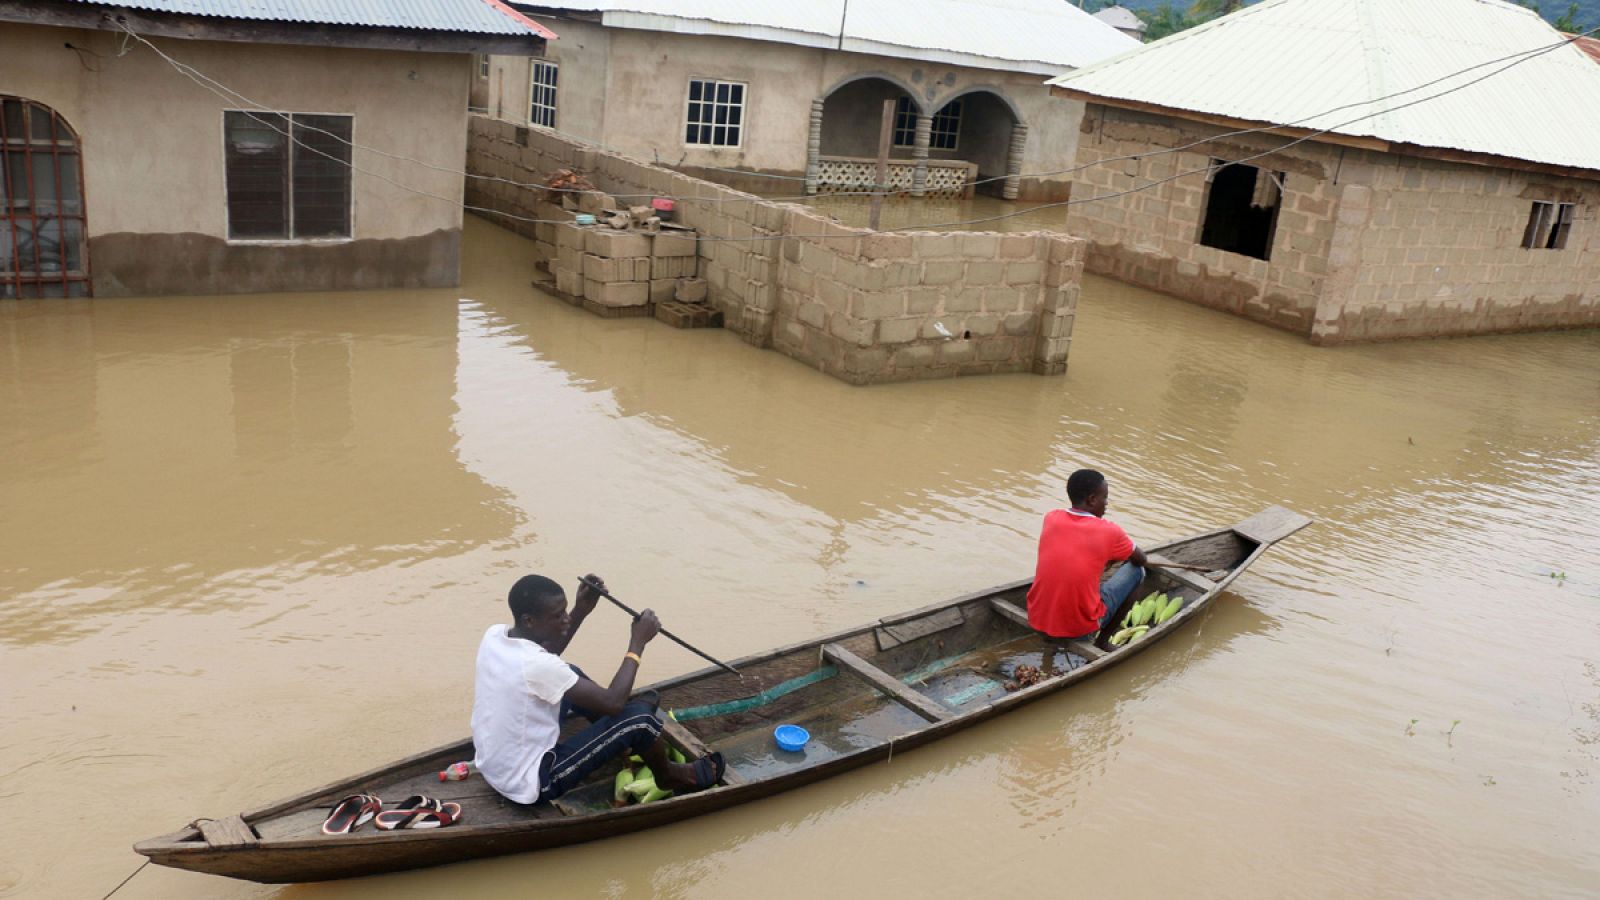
(946, 124)
(288, 175)
(716, 113)
(43, 246)
(1548, 226)
(543, 93)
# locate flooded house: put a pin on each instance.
(1350, 170)
(226, 146)
(796, 91)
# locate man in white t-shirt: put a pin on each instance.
(524, 690)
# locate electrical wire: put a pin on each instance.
(232, 96)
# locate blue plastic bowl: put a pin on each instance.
(791, 737)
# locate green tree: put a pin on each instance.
(1568, 21)
(1164, 20)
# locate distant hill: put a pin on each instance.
(1588, 10)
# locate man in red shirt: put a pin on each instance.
(1067, 599)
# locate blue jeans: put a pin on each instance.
(1114, 591)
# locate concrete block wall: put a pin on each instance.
(862, 306)
(1368, 245)
(1152, 237)
(1426, 248)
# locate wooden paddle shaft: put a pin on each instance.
(678, 640)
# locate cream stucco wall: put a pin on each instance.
(153, 139)
(628, 90)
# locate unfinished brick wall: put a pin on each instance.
(862, 306)
(1426, 248)
(1367, 246)
(1152, 237)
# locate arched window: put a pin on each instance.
(42, 233)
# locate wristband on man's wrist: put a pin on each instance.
(633, 656)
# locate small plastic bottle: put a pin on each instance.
(455, 772)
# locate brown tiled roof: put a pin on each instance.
(1588, 45)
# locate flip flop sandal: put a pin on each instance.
(708, 770)
(416, 801)
(351, 813)
(420, 818)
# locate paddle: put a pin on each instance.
(678, 640)
(1163, 563)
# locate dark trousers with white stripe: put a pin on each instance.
(630, 731)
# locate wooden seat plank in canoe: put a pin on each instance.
(885, 683)
(1014, 613)
(228, 832)
(692, 747)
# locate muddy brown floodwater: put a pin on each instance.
(249, 544)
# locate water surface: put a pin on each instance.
(249, 544)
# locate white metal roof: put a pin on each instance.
(1046, 37)
(470, 16)
(1121, 17)
(1285, 62)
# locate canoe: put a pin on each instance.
(883, 688)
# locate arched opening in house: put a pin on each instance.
(43, 237)
(983, 132)
(941, 151)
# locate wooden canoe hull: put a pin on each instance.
(279, 843)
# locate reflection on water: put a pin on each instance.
(247, 543)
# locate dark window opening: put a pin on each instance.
(288, 175)
(1241, 209)
(43, 233)
(1548, 226)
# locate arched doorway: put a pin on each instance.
(43, 236)
(942, 150)
(989, 134)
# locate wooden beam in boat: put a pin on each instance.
(1271, 525)
(885, 683)
(694, 748)
(229, 832)
(1011, 611)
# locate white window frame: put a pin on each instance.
(944, 125)
(905, 122)
(227, 224)
(947, 124)
(483, 65)
(1549, 225)
(540, 91)
(742, 105)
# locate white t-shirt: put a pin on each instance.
(516, 711)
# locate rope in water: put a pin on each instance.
(126, 880)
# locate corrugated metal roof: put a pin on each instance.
(1588, 45)
(1285, 61)
(470, 16)
(1043, 36)
(1120, 17)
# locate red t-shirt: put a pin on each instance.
(1074, 549)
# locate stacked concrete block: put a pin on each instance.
(616, 271)
(861, 306)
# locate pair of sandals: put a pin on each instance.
(414, 812)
